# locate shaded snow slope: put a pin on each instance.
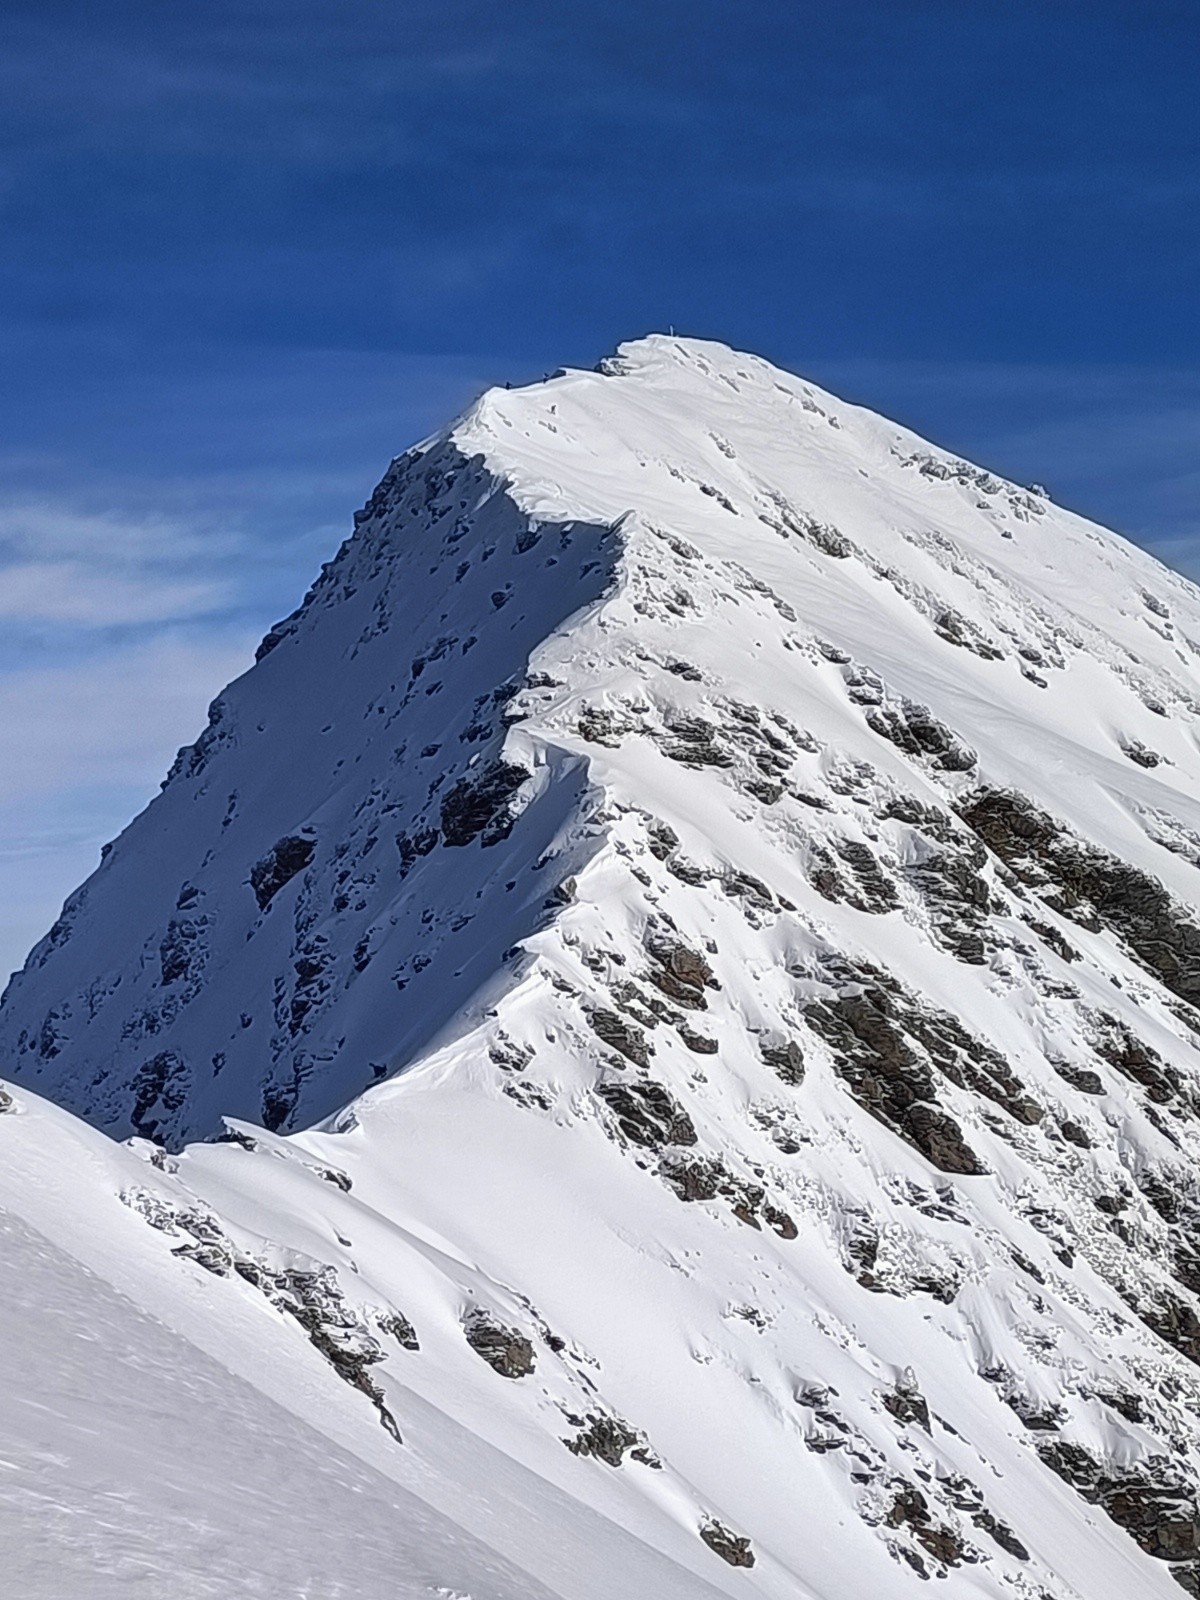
(694, 921)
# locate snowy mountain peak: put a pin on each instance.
(714, 875)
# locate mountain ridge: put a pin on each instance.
(702, 895)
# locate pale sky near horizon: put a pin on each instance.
(249, 251)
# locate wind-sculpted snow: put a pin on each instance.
(695, 921)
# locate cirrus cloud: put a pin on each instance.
(82, 747)
(74, 592)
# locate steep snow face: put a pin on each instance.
(252, 943)
(715, 877)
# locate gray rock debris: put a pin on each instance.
(648, 1114)
(680, 973)
(730, 1546)
(312, 1298)
(1154, 1502)
(504, 1349)
(621, 1035)
(609, 1439)
(785, 1058)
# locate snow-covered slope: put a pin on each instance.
(693, 921)
(167, 1432)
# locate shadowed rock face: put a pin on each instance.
(379, 711)
(279, 866)
(161, 1086)
(482, 806)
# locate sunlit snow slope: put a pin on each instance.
(693, 920)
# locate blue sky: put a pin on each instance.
(250, 250)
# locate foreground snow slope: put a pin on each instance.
(693, 921)
(166, 1433)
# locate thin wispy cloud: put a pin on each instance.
(65, 531)
(73, 592)
(82, 747)
(110, 723)
(63, 567)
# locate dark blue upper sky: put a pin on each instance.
(231, 211)
(1000, 179)
(250, 250)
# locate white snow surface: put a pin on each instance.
(449, 986)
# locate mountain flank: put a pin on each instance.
(669, 995)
